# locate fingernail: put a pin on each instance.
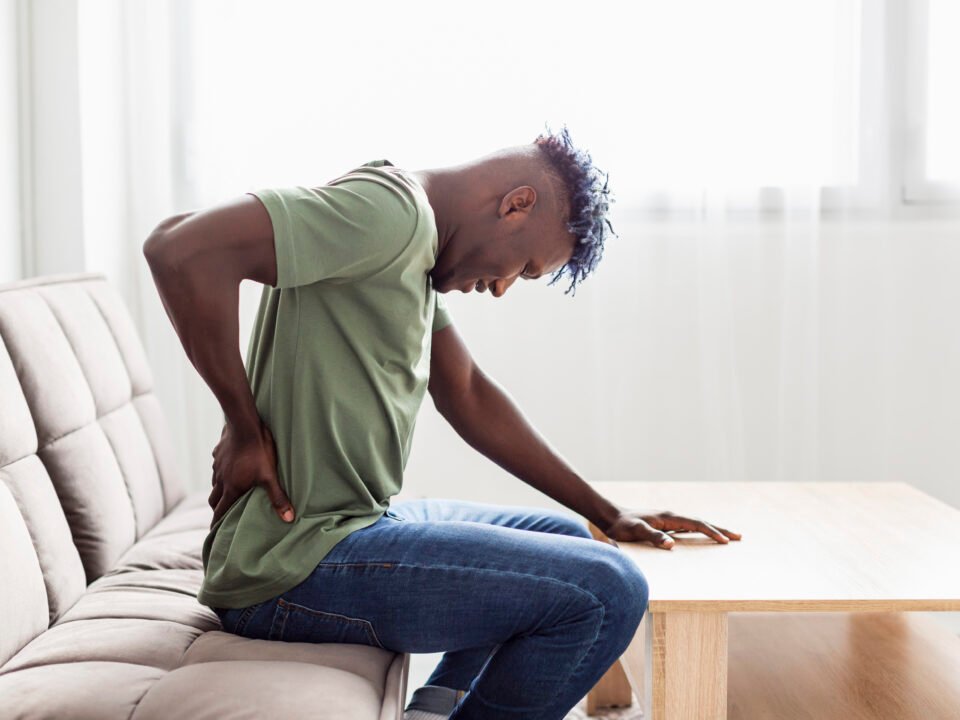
(288, 515)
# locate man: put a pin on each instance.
(350, 333)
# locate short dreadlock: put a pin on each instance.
(588, 200)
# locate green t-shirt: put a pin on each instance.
(338, 362)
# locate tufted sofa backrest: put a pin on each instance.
(86, 462)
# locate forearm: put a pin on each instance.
(202, 304)
(489, 421)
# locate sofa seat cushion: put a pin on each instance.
(100, 547)
(175, 542)
(258, 689)
(177, 581)
(153, 595)
(156, 643)
(193, 513)
(366, 661)
(77, 691)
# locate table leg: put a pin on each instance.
(689, 670)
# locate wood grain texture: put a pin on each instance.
(689, 666)
(816, 588)
(806, 547)
(833, 666)
(841, 666)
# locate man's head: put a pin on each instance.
(522, 211)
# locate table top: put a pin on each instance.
(806, 546)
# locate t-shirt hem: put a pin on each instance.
(245, 597)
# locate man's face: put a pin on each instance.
(491, 260)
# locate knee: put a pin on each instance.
(563, 524)
(639, 592)
(623, 587)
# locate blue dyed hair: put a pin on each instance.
(588, 200)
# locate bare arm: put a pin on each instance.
(198, 260)
(486, 417)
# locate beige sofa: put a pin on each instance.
(100, 544)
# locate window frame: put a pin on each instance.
(918, 188)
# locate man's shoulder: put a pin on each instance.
(388, 185)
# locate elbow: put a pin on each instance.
(151, 248)
(156, 248)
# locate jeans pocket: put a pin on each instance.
(234, 620)
(297, 623)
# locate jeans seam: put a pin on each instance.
(593, 645)
(273, 633)
(245, 617)
(470, 568)
(363, 623)
(283, 625)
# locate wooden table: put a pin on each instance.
(863, 550)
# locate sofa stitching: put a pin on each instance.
(78, 429)
(140, 699)
(189, 647)
(78, 278)
(133, 395)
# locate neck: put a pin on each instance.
(440, 184)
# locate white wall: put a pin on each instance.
(622, 380)
(10, 246)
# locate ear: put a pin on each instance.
(519, 200)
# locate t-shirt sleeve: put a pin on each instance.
(441, 314)
(337, 233)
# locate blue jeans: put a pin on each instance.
(529, 609)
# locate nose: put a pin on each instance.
(501, 286)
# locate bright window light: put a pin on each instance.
(943, 92)
(679, 94)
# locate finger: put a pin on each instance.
(711, 531)
(661, 540)
(281, 503)
(729, 533)
(226, 500)
(695, 525)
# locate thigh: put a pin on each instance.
(521, 517)
(433, 586)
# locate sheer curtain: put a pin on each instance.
(772, 308)
(754, 151)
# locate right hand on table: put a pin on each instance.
(652, 526)
(241, 463)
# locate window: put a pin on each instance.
(933, 109)
(746, 96)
